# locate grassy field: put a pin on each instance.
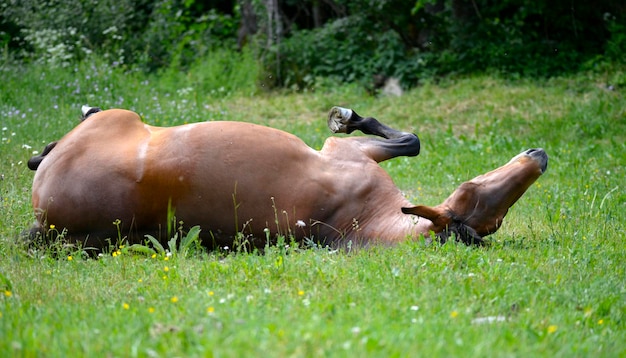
(552, 283)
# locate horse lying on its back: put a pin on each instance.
(235, 177)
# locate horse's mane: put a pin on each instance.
(461, 232)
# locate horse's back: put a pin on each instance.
(113, 167)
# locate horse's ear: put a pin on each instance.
(438, 215)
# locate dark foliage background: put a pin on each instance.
(298, 42)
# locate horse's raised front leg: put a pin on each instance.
(396, 143)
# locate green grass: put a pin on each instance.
(554, 275)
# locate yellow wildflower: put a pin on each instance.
(125, 306)
(552, 328)
(211, 293)
(210, 310)
(52, 227)
(174, 299)
(166, 269)
(150, 309)
(454, 314)
(300, 293)
(69, 258)
(601, 321)
(153, 255)
(8, 293)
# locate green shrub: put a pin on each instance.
(347, 49)
(147, 34)
(615, 47)
(421, 39)
(60, 32)
(175, 36)
(355, 39)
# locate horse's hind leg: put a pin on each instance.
(344, 120)
(397, 143)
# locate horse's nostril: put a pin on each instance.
(532, 150)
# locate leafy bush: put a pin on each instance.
(525, 37)
(616, 45)
(347, 49)
(425, 38)
(175, 36)
(64, 31)
(148, 34)
(350, 40)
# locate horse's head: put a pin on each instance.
(477, 207)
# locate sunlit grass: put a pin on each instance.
(551, 284)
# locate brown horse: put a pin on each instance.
(235, 178)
